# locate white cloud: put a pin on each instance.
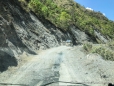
(104, 14)
(89, 8)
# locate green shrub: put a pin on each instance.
(106, 53)
(111, 45)
(45, 11)
(66, 12)
(87, 46)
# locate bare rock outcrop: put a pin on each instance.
(22, 31)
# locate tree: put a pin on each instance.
(64, 19)
(45, 11)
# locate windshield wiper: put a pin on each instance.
(13, 84)
(63, 82)
(108, 84)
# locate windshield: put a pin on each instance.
(56, 43)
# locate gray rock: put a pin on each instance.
(21, 31)
(79, 35)
(100, 36)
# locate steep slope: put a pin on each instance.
(64, 14)
(22, 31)
(24, 28)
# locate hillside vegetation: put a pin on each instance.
(65, 13)
(106, 51)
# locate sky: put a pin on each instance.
(104, 6)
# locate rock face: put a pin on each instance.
(79, 35)
(22, 31)
(100, 36)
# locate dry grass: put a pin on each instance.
(102, 50)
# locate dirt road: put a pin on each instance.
(64, 66)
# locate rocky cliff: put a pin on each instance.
(22, 31)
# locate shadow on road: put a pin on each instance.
(6, 60)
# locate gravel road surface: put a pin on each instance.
(63, 66)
